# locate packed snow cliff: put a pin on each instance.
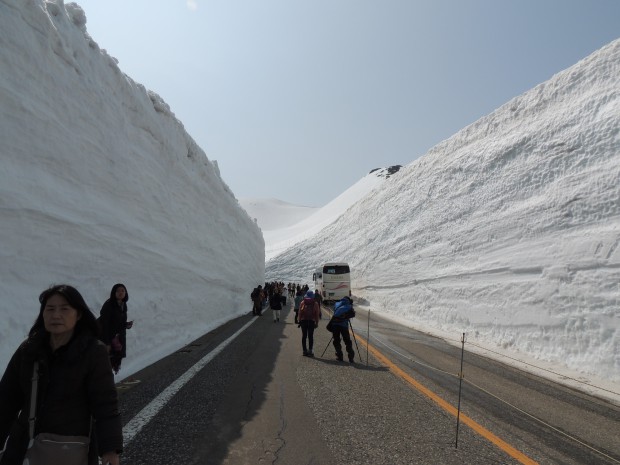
(101, 184)
(508, 231)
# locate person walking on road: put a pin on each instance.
(340, 324)
(67, 368)
(257, 300)
(308, 321)
(275, 302)
(114, 325)
(319, 300)
(297, 302)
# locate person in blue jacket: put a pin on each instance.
(298, 299)
(340, 324)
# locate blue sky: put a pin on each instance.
(299, 99)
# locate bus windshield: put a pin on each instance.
(336, 269)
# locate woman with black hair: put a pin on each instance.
(114, 324)
(75, 392)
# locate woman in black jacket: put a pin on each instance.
(76, 395)
(113, 322)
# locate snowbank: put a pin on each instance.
(508, 231)
(100, 183)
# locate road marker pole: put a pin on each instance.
(458, 410)
(368, 339)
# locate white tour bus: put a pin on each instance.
(333, 281)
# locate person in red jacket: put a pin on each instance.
(308, 320)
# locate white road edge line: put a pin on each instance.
(133, 427)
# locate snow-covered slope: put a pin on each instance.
(273, 214)
(99, 184)
(278, 240)
(508, 231)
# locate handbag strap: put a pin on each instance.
(33, 405)
(33, 399)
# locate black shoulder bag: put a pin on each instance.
(46, 448)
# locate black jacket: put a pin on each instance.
(275, 302)
(75, 383)
(113, 321)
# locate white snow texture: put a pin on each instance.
(101, 184)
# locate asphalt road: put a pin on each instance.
(259, 401)
(549, 423)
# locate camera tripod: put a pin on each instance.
(354, 338)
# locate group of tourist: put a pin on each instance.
(307, 306)
(58, 397)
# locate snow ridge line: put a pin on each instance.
(135, 425)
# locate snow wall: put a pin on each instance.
(508, 231)
(99, 184)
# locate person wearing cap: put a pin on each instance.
(299, 296)
(340, 324)
(319, 300)
(308, 320)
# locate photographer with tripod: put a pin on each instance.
(343, 310)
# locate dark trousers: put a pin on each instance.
(257, 308)
(307, 331)
(344, 332)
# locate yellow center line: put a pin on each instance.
(481, 430)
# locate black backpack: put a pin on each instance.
(350, 313)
